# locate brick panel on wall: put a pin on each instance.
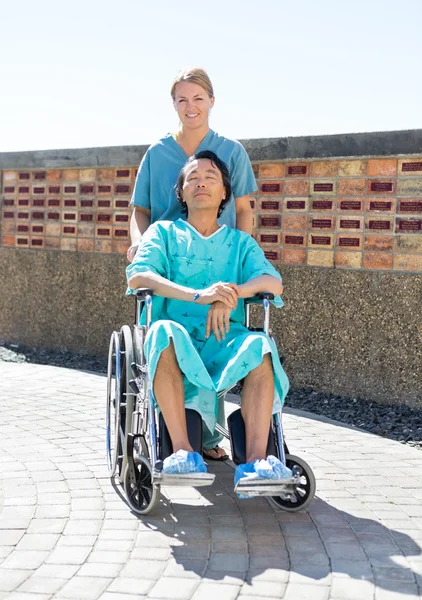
(348, 214)
(84, 210)
(352, 214)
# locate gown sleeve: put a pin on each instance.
(151, 254)
(142, 191)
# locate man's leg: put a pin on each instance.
(169, 392)
(257, 404)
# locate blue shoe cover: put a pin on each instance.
(269, 468)
(183, 461)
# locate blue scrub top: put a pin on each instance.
(162, 163)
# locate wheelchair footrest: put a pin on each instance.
(266, 487)
(184, 479)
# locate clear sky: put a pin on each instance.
(84, 73)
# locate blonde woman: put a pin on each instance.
(154, 198)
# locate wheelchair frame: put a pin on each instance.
(132, 438)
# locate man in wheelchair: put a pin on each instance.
(198, 344)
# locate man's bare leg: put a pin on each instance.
(257, 404)
(169, 392)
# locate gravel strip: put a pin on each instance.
(398, 422)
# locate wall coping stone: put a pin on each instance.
(382, 143)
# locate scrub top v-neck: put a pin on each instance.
(162, 163)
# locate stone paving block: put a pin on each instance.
(230, 547)
(78, 527)
(42, 526)
(84, 588)
(10, 537)
(298, 591)
(228, 562)
(192, 550)
(28, 596)
(143, 569)
(76, 540)
(269, 562)
(39, 585)
(309, 575)
(345, 550)
(114, 545)
(98, 556)
(232, 534)
(25, 559)
(174, 588)
(268, 589)
(99, 570)
(51, 512)
(211, 591)
(146, 553)
(191, 568)
(10, 579)
(37, 541)
(403, 591)
(69, 555)
(352, 589)
(56, 571)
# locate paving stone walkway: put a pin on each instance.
(66, 532)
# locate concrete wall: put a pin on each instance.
(352, 321)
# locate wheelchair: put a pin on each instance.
(137, 440)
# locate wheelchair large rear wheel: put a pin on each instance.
(305, 490)
(141, 495)
(114, 444)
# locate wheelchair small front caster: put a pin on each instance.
(304, 492)
(141, 494)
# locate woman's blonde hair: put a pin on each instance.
(193, 75)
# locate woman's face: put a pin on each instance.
(192, 104)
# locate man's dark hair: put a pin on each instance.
(216, 162)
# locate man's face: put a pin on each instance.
(203, 188)
(192, 104)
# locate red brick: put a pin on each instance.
(386, 167)
(351, 187)
(349, 243)
(408, 262)
(271, 188)
(54, 175)
(406, 243)
(320, 240)
(379, 261)
(293, 256)
(380, 205)
(299, 187)
(86, 245)
(119, 247)
(271, 170)
(326, 168)
(52, 243)
(71, 175)
(320, 258)
(348, 223)
(378, 187)
(68, 243)
(8, 240)
(352, 168)
(378, 243)
(349, 260)
(294, 222)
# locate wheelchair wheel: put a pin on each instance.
(114, 444)
(141, 495)
(305, 491)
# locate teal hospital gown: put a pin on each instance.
(176, 251)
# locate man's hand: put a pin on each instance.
(227, 293)
(131, 252)
(218, 321)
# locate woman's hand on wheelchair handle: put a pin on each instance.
(227, 293)
(218, 321)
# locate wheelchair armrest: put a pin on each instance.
(259, 297)
(141, 293)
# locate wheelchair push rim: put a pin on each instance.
(113, 403)
(304, 492)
